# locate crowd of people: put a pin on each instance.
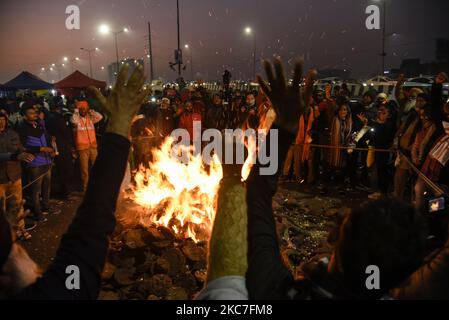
(42, 140)
(325, 136)
(360, 142)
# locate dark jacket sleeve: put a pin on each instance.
(6, 156)
(267, 276)
(436, 101)
(86, 242)
(430, 282)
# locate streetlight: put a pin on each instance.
(189, 49)
(89, 51)
(105, 29)
(72, 62)
(249, 31)
(384, 34)
(46, 72)
(54, 66)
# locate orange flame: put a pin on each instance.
(181, 197)
(266, 122)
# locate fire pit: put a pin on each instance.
(159, 247)
(181, 197)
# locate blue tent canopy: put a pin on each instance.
(26, 80)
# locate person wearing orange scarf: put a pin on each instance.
(300, 152)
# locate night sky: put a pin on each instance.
(329, 33)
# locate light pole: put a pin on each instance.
(250, 31)
(384, 35)
(150, 55)
(104, 29)
(89, 51)
(46, 72)
(189, 49)
(72, 61)
(179, 38)
(54, 66)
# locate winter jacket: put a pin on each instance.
(10, 146)
(58, 127)
(33, 138)
(430, 282)
(267, 277)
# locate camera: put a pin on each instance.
(437, 205)
(438, 217)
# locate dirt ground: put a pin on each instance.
(305, 214)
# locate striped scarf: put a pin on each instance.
(340, 133)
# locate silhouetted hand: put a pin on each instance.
(287, 101)
(124, 100)
(46, 150)
(363, 118)
(25, 157)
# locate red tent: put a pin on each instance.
(72, 85)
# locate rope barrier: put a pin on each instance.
(437, 190)
(348, 148)
(31, 183)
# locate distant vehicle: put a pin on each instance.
(424, 81)
(380, 81)
(157, 87)
(253, 86)
(352, 81)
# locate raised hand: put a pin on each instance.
(124, 100)
(25, 157)
(308, 89)
(362, 118)
(287, 101)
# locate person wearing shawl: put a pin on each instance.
(341, 129)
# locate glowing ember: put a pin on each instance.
(181, 197)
